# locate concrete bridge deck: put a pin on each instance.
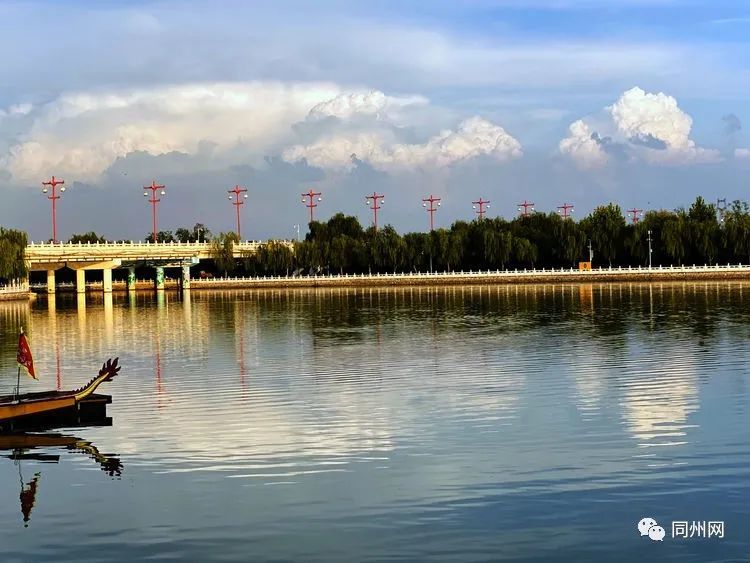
(106, 256)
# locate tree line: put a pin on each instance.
(701, 234)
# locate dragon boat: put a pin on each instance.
(21, 409)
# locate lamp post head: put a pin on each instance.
(439, 204)
(44, 190)
(62, 189)
(163, 192)
(424, 205)
(229, 197)
(145, 194)
(245, 196)
(320, 199)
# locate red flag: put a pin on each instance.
(24, 358)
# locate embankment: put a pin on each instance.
(606, 275)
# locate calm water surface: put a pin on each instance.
(529, 423)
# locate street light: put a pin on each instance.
(53, 183)
(525, 206)
(635, 212)
(565, 210)
(237, 190)
(374, 199)
(649, 249)
(482, 203)
(154, 187)
(431, 209)
(311, 204)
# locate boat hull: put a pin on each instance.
(26, 408)
(91, 411)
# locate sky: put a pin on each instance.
(643, 103)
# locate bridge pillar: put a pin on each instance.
(107, 280)
(185, 277)
(159, 278)
(50, 281)
(131, 279)
(80, 281)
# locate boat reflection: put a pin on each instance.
(35, 448)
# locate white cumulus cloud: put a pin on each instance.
(655, 122)
(582, 147)
(372, 103)
(473, 137)
(742, 153)
(82, 134)
(646, 126)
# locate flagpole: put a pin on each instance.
(18, 383)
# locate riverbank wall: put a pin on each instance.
(507, 277)
(19, 292)
(603, 275)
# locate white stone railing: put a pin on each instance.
(14, 287)
(496, 273)
(40, 253)
(144, 244)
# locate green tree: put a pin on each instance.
(222, 252)
(199, 233)
(90, 237)
(675, 236)
(737, 231)
(606, 224)
(704, 233)
(12, 254)
(161, 236)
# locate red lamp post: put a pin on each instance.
(311, 203)
(237, 190)
(431, 209)
(375, 202)
(481, 203)
(634, 212)
(154, 187)
(565, 210)
(525, 205)
(53, 183)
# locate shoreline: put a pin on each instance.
(503, 277)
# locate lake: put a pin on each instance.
(520, 423)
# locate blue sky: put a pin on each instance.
(640, 102)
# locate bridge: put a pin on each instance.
(107, 256)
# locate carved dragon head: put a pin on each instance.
(110, 369)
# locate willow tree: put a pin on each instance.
(12, 254)
(222, 252)
(675, 236)
(606, 225)
(737, 231)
